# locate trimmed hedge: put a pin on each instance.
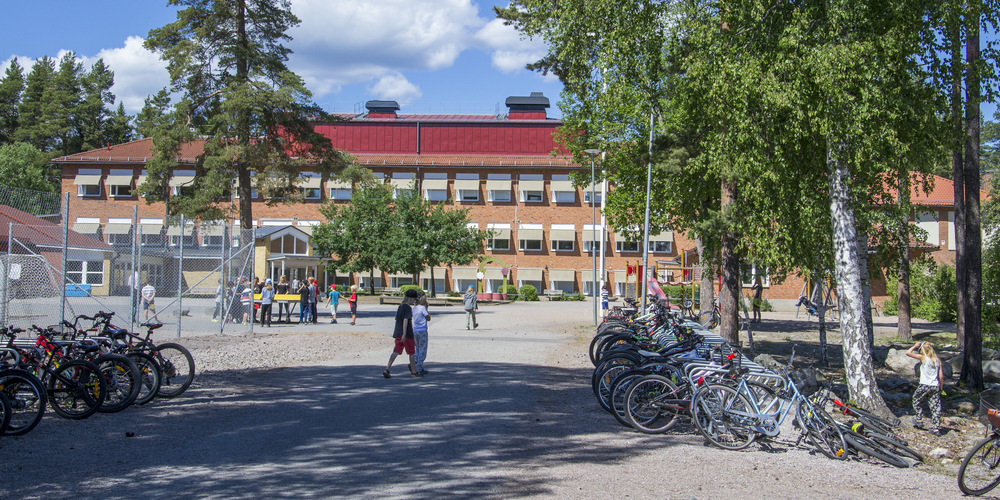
(528, 293)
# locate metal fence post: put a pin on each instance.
(223, 288)
(6, 271)
(253, 265)
(65, 245)
(180, 280)
(133, 276)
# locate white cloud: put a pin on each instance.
(395, 87)
(510, 52)
(138, 72)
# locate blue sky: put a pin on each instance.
(441, 56)
(430, 55)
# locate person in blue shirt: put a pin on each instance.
(604, 301)
(333, 300)
(266, 299)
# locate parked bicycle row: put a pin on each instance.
(654, 369)
(83, 370)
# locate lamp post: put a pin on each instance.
(593, 226)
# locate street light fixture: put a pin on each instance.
(593, 225)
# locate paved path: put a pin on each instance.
(505, 412)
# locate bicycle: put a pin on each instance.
(175, 361)
(74, 388)
(732, 417)
(711, 319)
(980, 469)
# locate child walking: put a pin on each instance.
(403, 334)
(931, 383)
(420, 319)
(333, 300)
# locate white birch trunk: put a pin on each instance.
(857, 356)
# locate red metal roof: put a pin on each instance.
(36, 231)
(131, 152)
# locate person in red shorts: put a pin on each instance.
(403, 334)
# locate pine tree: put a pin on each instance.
(32, 126)
(11, 88)
(153, 114)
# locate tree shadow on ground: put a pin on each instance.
(466, 429)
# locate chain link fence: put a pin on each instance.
(190, 275)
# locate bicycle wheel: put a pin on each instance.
(27, 400)
(898, 446)
(601, 379)
(593, 346)
(604, 383)
(979, 472)
(176, 368)
(863, 444)
(76, 389)
(709, 319)
(4, 413)
(619, 387)
(121, 376)
(149, 377)
(822, 431)
(723, 416)
(646, 407)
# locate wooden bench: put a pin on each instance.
(551, 293)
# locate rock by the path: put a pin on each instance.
(766, 360)
(991, 370)
(938, 453)
(895, 384)
(899, 362)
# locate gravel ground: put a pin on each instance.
(505, 411)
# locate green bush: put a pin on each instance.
(508, 289)
(528, 293)
(453, 293)
(933, 295)
(766, 306)
(404, 288)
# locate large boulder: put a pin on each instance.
(991, 370)
(766, 360)
(900, 363)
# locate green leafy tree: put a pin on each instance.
(357, 235)
(226, 60)
(11, 88)
(433, 234)
(24, 166)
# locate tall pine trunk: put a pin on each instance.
(958, 177)
(972, 363)
(858, 368)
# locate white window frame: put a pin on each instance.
(175, 240)
(620, 246)
(436, 194)
(523, 245)
(589, 244)
(120, 191)
(597, 195)
(664, 246)
(491, 244)
(212, 240)
(555, 244)
(88, 190)
(752, 272)
(564, 196)
(468, 195)
(86, 271)
(527, 195)
(505, 193)
(312, 193)
(343, 194)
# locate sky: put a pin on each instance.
(431, 56)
